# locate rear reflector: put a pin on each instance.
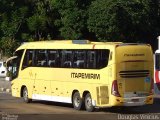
(152, 87)
(115, 91)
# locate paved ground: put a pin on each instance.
(5, 85)
(15, 108)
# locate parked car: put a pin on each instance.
(3, 69)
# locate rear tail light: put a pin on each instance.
(152, 87)
(115, 91)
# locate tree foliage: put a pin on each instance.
(72, 19)
(103, 20)
(119, 20)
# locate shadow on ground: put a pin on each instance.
(154, 108)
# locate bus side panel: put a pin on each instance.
(26, 79)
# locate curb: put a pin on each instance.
(5, 90)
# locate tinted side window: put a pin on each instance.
(97, 59)
(102, 58)
(41, 58)
(16, 63)
(67, 56)
(83, 59)
(53, 58)
(28, 59)
(91, 59)
(79, 59)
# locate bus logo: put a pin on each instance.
(85, 75)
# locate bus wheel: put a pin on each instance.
(77, 101)
(88, 103)
(25, 95)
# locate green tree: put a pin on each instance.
(105, 20)
(37, 24)
(119, 20)
(12, 19)
(72, 17)
(37, 20)
(41, 20)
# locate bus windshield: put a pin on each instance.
(13, 64)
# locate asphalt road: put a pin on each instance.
(15, 109)
(4, 83)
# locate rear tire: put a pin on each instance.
(88, 103)
(25, 96)
(77, 101)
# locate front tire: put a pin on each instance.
(25, 96)
(77, 101)
(88, 103)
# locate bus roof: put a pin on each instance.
(70, 44)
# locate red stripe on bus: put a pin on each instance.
(157, 79)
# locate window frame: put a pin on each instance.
(93, 58)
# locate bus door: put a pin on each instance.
(10, 63)
(13, 66)
(27, 73)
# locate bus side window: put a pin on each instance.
(67, 58)
(102, 58)
(79, 59)
(53, 58)
(28, 59)
(41, 58)
(91, 59)
(24, 65)
(97, 59)
(16, 63)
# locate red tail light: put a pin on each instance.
(152, 87)
(115, 91)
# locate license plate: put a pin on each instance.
(135, 100)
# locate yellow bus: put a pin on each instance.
(84, 73)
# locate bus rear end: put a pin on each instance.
(133, 84)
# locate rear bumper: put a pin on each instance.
(132, 101)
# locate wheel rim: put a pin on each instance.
(77, 101)
(88, 102)
(25, 95)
